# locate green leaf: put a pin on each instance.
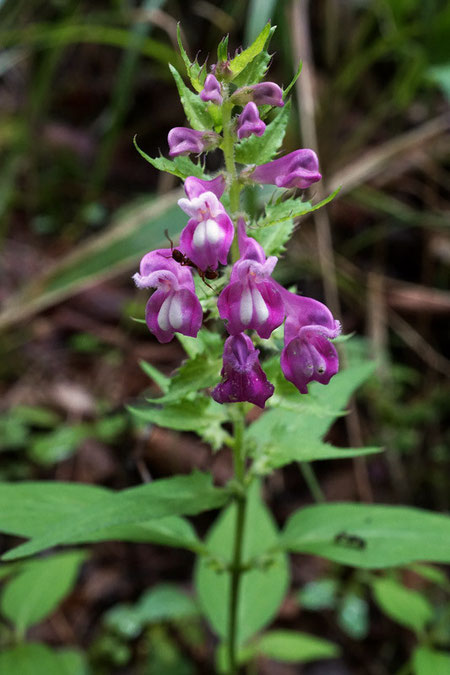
(165, 603)
(403, 605)
(30, 508)
(33, 658)
(206, 342)
(262, 588)
(184, 416)
(222, 49)
(195, 72)
(180, 495)
(292, 208)
(46, 449)
(273, 239)
(293, 81)
(258, 14)
(292, 647)
(169, 531)
(385, 535)
(192, 376)
(242, 60)
(180, 166)
(428, 661)
(33, 508)
(256, 69)
(292, 429)
(261, 149)
(195, 109)
(38, 588)
(162, 603)
(161, 380)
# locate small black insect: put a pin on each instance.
(350, 540)
(183, 260)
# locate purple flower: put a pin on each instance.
(249, 122)
(207, 237)
(243, 377)
(308, 353)
(183, 141)
(194, 187)
(212, 90)
(251, 299)
(173, 307)
(298, 169)
(264, 93)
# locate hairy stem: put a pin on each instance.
(236, 565)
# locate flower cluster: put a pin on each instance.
(252, 300)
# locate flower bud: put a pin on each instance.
(249, 122)
(264, 93)
(299, 169)
(183, 141)
(212, 90)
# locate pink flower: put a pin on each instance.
(194, 187)
(251, 300)
(173, 307)
(212, 90)
(308, 353)
(207, 237)
(249, 122)
(264, 93)
(243, 377)
(298, 169)
(183, 141)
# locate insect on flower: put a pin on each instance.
(183, 260)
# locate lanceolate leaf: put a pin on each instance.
(240, 61)
(292, 208)
(31, 509)
(256, 69)
(180, 166)
(33, 658)
(292, 430)
(428, 661)
(403, 605)
(195, 72)
(370, 536)
(38, 588)
(180, 495)
(261, 149)
(262, 588)
(195, 109)
(273, 239)
(293, 647)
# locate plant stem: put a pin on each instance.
(236, 565)
(234, 183)
(312, 482)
